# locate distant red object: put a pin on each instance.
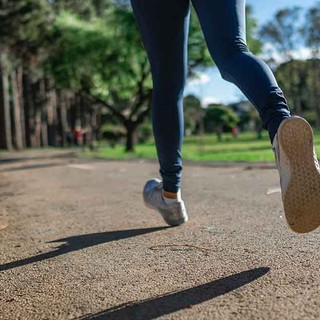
(235, 132)
(78, 136)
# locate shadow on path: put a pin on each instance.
(21, 158)
(79, 242)
(173, 302)
(33, 166)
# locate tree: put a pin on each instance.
(88, 9)
(283, 32)
(5, 120)
(23, 25)
(300, 89)
(253, 41)
(68, 62)
(193, 114)
(116, 72)
(218, 117)
(311, 32)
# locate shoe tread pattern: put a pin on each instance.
(301, 200)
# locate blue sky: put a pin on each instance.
(210, 87)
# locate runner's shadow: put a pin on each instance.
(173, 302)
(79, 242)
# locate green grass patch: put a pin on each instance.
(246, 148)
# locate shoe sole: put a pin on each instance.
(301, 200)
(172, 223)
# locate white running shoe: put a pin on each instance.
(173, 211)
(299, 174)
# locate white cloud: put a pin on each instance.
(270, 51)
(201, 78)
(304, 53)
(208, 100)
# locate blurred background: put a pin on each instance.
(75, 74)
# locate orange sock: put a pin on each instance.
(170, 195)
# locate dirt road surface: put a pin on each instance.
(76, 242)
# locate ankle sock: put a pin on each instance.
(170, 197)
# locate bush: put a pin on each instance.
(113, 133)
(144, 132)
(311, 117)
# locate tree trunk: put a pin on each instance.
(28, 111)
(44, 114)
(63, 119)
(130, 136)
(219, 133)
(51, 103)
(18, 141)
(33, 111)
(38, 128)
(89, 126)
(44, 132)
(93, 127)
(5, 119)
(21, 102)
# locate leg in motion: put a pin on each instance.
(164, 29)
(223, 24)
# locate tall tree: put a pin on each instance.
(18, 140)
(312, 30)
(312, 40)
(5, 119)
(116, 72)
(23, 25)
(252, 31)
(300, 83)
(193, 114)
(283, 32)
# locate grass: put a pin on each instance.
(245, 148)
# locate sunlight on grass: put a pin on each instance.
(245, 148)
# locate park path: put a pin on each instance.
(79, 244)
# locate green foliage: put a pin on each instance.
(88, 9)
(193, 114)
(25, 26)
(302, 76)
(113, 134)
(253, 41)
(311, 117)
(145, 132)
(103, 57)
(77, 51)
(198, 53)
(218, 117)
